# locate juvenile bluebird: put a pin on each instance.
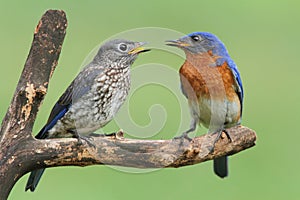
(212, 84)
(94, 96)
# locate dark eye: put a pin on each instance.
(123, 47)
(196, 38)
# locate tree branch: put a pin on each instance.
(21, 153)
(16, 127)
(116, 150)
(33, 83)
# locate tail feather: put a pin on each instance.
(34, 179)
(221, 166)
(36, 175)
(58, 111)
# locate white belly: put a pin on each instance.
(218, 113)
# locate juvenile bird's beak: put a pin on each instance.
(177, 43)
(139, 48)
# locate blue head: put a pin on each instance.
(201, 42)
(204, 42)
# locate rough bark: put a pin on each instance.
(17, 124)
(117, 150)
(21, 153)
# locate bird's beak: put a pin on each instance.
(176, 43)
(139, 48)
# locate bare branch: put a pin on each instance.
(138, 153)
(16, 127)
(32, 87)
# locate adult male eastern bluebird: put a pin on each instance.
(212, 84)
(94, 96)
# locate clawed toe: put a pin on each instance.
(183, 136)
(88, 140)
(219, 132)
(81, 138)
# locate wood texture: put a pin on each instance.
(17, 124)
(112, 150)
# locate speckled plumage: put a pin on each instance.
(99, 105)
(94, 96)
(211, 82)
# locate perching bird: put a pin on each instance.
(212, 84)
(94, 96)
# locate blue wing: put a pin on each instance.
(79, 87)
(238, 80)
(57, 112)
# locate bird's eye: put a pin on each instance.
(122, 47)
(196, 38)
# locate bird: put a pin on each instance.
(93, 98)
(211, 82)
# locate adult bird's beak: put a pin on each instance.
(177, 43)
(139, 48)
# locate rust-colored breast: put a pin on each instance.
(200, 78)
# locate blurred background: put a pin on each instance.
(261, 36)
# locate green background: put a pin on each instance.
(263, 39)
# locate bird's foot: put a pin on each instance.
(81, 138)
(88, 140)
(184, 135)
(219, 134)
